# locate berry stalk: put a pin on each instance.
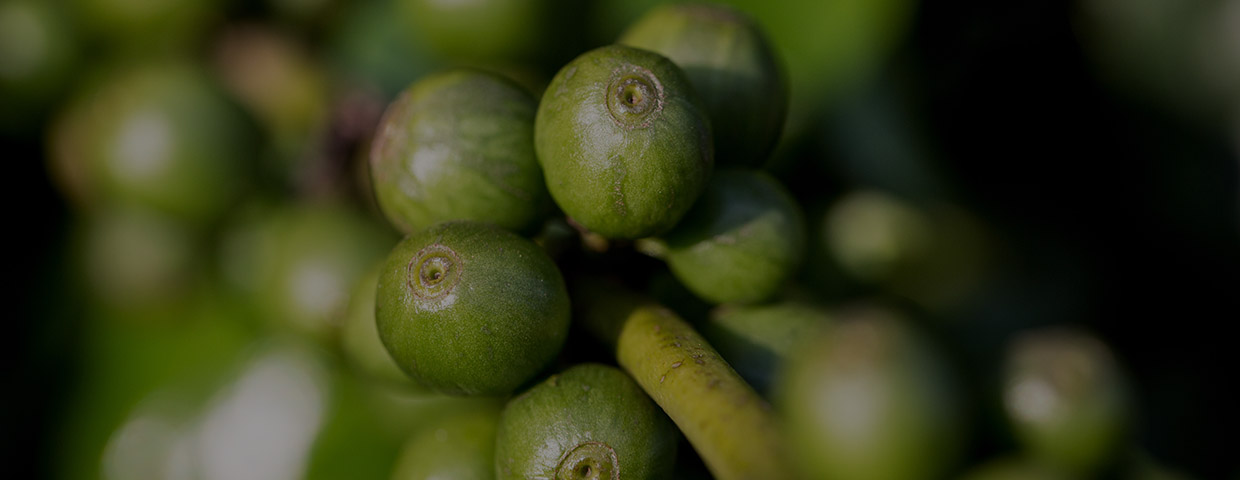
(732, 428)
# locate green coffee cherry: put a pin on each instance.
(160, 137)
(869, 399)
(460, 446)
(874, 235)
(937, 254)
(741, 241)
(731, 65)
(590, 422)
(1067, 399)
(458, 145)
(135, 259)
(298, 264)
(468, 308)
(624, 143)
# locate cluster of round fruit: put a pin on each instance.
(655, 139)
(531, 223)
(653, 144)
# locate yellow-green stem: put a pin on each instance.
(732, 428)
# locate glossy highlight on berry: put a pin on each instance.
(458, 145)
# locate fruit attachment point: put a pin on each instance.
(634, 96)
(433, 272)
(589, 461)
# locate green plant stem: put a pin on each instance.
(732, 428)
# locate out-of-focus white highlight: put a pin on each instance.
(262, 427)
(869, 232)
(142, 148)
(426, 166)
(259, 427)
(316, 288)
(151, 444)
(854, 404)
(1032, 400)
